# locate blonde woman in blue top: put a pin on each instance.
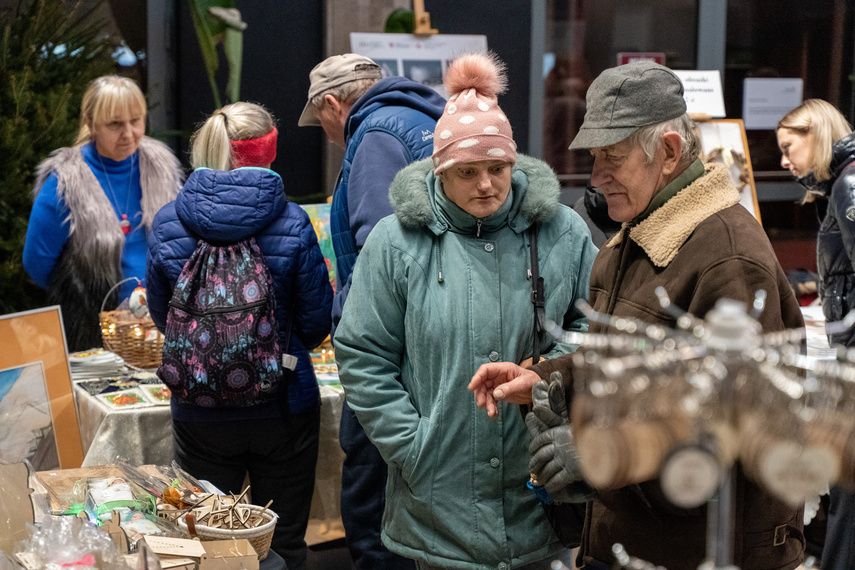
(94, 204)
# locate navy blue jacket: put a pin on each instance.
(388, 128)
(835, 244)
(228, 206)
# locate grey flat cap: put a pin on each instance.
(625, 98)
(332, 72)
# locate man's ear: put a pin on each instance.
(672, 144)
(333, 103)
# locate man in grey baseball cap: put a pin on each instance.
(683, 230)
(334, 72)
(383, 124)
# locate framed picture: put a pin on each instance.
(319, 214)
(724, 141)
(38, 418)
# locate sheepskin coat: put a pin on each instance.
(701, 245)
(436, 293)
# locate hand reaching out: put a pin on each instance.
(502, 381)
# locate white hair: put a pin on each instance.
(649, 138)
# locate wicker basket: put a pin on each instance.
(259, 537)
(135, 339)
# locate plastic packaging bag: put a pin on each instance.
(70, 541)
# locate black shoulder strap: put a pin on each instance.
(537, 298)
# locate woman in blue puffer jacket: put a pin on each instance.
(233, 195)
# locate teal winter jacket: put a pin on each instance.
(437, 293)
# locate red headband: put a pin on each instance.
(255, 152)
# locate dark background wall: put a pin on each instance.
(507, 26)
(281, 44)
(284, 41)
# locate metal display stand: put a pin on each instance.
(680, 404)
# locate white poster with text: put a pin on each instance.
(422, 59)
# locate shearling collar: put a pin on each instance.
(410, 198)
(664, 231)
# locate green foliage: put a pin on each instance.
(219, 22)
(400, 21)
(40, 92)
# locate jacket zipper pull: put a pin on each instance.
(477, 228)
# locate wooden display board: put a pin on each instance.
(724, 141)
(35, 380)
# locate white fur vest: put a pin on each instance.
(90, 263)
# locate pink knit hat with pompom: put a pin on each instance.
(473, 126)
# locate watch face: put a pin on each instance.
(690, 476)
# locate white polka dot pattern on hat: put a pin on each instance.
(513, 145)
(472, 128)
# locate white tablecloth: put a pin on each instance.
(144, 436)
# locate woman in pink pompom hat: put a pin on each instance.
(443, 286)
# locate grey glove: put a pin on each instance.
(555, 462)
(552, 444)
(548, 401)
(554, 458)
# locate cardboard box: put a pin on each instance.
(16, 508)
(116, 532)
(234, 554)
(228, 555)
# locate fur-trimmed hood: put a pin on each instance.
(535, 186)
(664, 231)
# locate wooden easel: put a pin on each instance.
(422, 19)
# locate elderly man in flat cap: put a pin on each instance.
(682, 229)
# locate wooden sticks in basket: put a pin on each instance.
(228, 513)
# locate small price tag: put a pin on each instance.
(289, 361)
(175, 546)
(29, 560)
(166, 563)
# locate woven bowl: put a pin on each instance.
(260, 537)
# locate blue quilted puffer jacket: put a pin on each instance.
(225, 207)
(404, 110)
